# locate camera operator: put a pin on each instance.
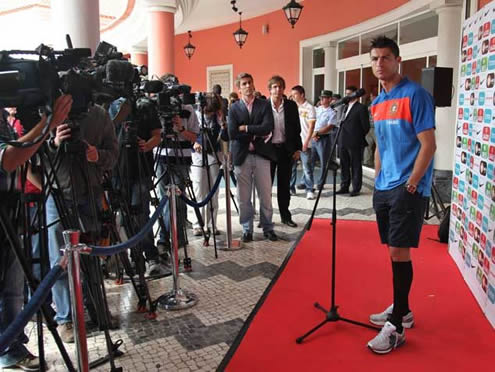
(208, 140)
(11, 275)
(174, 164)
(136, 166)
(80, 179)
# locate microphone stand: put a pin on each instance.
(331, 315)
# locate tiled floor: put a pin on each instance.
(196, 339)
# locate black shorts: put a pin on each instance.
(399, 215)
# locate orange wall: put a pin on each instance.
(276, 52)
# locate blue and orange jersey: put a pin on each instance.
(399, 116)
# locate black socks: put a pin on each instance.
(402, 280)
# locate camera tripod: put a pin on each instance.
(72, 214)
(7, 215)
(172, 168)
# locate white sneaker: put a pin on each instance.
(310, 195)
(387, 340)
(197, 231)
(381, 318)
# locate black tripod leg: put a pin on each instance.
(301, 339)
(98, 296)
(17, 250)
(360, 324)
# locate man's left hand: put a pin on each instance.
(296, 155)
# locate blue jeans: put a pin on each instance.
(11, 302)
(178, 174)
(307, 165)
(321, 148)
(140, 198)
(60, 291)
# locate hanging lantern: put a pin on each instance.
(293, 12)
(189, 49)
(240, 35)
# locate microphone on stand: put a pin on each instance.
(345, 100)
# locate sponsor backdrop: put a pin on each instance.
(472, 222)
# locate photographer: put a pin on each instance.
(11, 275)
(80, 176)
(138, 133)
(174, 164)
(206, 165)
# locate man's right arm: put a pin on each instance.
(233, 125)
(267, 123)
(14, 157)
(311, 129)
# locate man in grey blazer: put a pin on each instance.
(250, 124)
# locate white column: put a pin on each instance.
(449, 34)
(448, 49)
(78, 18)
(331, 66)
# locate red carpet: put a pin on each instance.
(450, 334)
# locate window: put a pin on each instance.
(318, 58)
(348, 48)
(412, 69)
(370, 84)
(432, 61)
(221, 75)
(417, 28)
(389, 31)
(353, 77)
(319, 85)
(341, 82)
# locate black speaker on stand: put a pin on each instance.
(438, 82)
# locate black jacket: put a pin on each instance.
(293, 141)
(260, 123)
(355, 127)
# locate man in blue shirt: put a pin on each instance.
(325, 121)
(404, 120)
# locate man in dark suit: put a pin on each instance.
(287, 142)
(250, 123)
(352, 142)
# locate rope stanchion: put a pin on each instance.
(73, 250)
(177, 298)
(31, 308)
(230, 244)
(114, 249)
(208, 197)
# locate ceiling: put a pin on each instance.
(123, 22)
(213, 13)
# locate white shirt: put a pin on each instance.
(279, 123)
(192, 125)
(307, 113)
(349, 108)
